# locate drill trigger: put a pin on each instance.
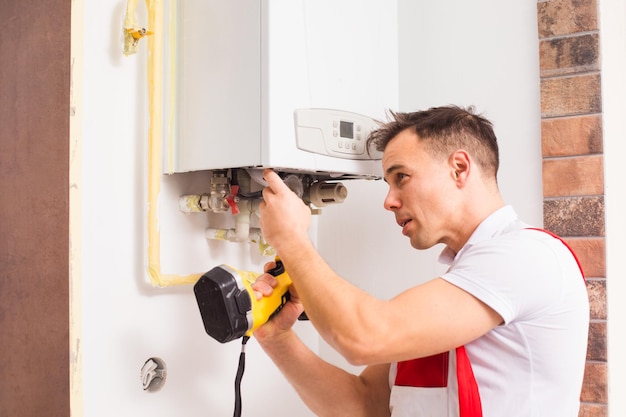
(278, 269)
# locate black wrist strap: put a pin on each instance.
(240, 370)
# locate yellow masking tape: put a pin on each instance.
(155, 98)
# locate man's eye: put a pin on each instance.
(400, 177)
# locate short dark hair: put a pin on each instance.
(444, 130)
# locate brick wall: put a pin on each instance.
(572, 148)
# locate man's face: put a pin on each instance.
(421, 190)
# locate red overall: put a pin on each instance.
(432, 371)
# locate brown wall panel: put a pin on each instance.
(34, 207)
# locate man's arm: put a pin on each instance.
(430, 318)
(326, 389)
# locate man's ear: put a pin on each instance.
(460, 164)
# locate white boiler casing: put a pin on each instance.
(246, 71)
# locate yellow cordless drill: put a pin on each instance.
(227, 303)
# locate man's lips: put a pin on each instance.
(404, 223)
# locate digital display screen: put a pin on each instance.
(346, 129)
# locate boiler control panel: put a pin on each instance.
(336, 133)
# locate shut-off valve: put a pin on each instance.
(239, 192)
(225, 192)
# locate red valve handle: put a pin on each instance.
(231, 199)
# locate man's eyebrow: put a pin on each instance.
(391, 169)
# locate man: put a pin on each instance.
(502, 333)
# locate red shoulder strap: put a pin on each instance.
(566, 245)
(469, 397)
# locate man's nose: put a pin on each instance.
(391, 201)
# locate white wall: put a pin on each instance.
(613, 52)
(482, 53)
(451, 53)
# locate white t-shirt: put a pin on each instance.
(533, 364)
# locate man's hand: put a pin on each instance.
(284, 216)
(282, 322)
